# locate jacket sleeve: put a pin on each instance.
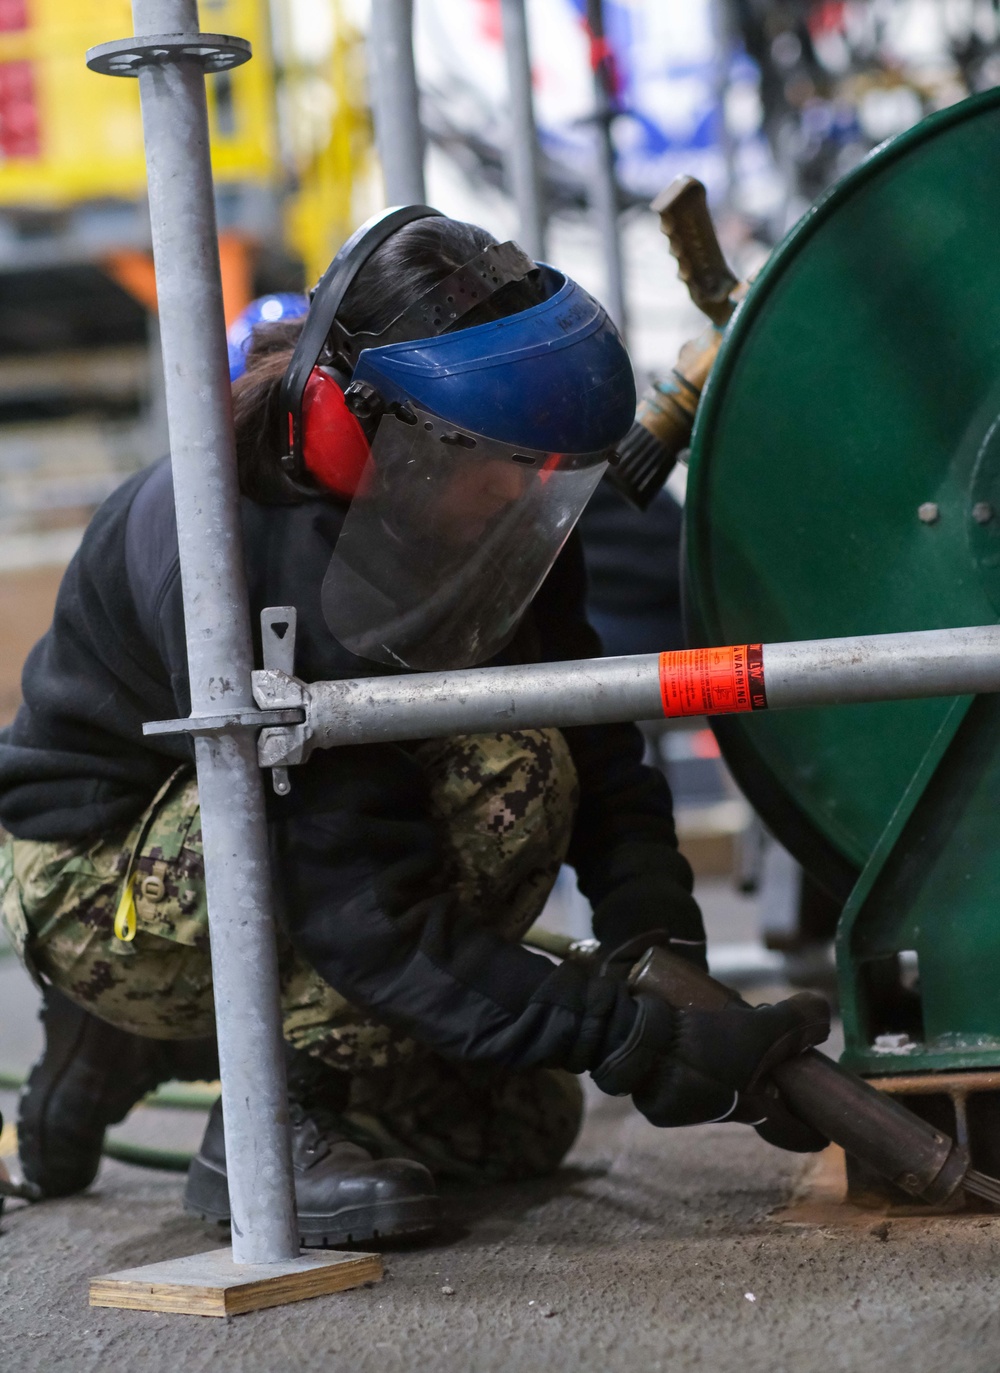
(74, 761)
(367, 904)
(624, 844)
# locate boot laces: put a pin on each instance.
(316, 1096)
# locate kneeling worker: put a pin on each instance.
(413, 456)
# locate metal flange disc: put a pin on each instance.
(845, 467)
(214, 52)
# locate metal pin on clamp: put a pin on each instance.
(277, 632)
(287, 724)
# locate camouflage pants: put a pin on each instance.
(505, 806)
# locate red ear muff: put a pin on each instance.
(334, 447)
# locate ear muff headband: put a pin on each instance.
(326, 301)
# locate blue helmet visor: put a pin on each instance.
(490, 445)
(553, 377)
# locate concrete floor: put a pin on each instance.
(652, 1250)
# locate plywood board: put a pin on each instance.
(212, 1285)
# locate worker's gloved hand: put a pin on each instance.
(618, 962)
(688, 1067)
(766, 1111)
(645, 894)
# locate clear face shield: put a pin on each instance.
(447, 540)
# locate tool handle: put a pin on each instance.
(866, 1123)
(684, 218)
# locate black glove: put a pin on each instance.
(688, 1067)
(650, 901)
(618, 962)
(766, 1111)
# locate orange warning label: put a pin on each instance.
(713, 681)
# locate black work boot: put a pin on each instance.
(342, 1194)
(90, 1076)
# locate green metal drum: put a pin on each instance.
(845, 479)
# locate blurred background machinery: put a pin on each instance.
(766, 101)
(79, 371)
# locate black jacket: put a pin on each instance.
(358, 855)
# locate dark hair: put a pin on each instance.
(415, 258)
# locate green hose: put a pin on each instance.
(176, 1096)
(184, 1096)
(143, 1156)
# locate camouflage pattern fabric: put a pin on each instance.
(472, 1122)
(58, 905)
(505, 804)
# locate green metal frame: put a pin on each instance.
(932, 889)
(858, 382)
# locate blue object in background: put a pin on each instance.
(264, 310)
(668, 73)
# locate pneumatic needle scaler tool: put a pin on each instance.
(866, 1123)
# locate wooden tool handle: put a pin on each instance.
(684, 218)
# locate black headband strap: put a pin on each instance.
(442, 305)
(327, 299)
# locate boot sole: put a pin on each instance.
(207, 1197)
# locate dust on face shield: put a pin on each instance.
(447, 540)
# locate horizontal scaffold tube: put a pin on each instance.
(705, 681)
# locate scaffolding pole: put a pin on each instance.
(604, 186)
(170, 58)
(595, 691)
(523, 161)
(399, 134)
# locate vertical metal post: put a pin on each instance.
(396, 102)
(217, 623)
(724, 46)
(605, 184)
(523, 163)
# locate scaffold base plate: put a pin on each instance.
(211, 1284)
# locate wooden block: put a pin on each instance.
(212, 1285)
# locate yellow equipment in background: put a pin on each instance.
(80, 382)
(326, 127)
(292, 123)
(68, 135)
